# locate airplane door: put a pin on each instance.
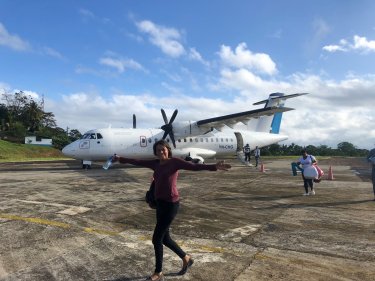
(97, 147)
(95, 143)
(239, 141)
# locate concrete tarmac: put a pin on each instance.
(59, 222)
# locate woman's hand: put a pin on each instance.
(221, 165)
(115, 158)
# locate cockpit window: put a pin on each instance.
(92, 136)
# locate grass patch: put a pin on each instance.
(11, 152)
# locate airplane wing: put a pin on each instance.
(232, 119)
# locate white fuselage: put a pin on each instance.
(99, 144)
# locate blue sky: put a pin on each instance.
(98, 62)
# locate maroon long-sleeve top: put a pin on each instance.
(166, 173)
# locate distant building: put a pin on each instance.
(38, 141)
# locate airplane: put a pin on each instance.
(192, 140)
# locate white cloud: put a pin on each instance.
(334, 48)
(167, 39)
(52, 52)
(120, 64)
(241, 57)
(12, 41)
(360, 44)
(195, 55)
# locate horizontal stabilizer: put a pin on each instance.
(282, 98)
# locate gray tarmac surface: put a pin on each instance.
(58, 222)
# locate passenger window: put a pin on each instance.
(99, 136)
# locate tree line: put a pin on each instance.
(21, 116)
(343, 149)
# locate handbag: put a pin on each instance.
(150, 196)
(310, 172)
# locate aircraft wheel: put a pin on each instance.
(86, 166)
(188, 158)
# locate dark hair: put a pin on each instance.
(165, 144)
(303, 151)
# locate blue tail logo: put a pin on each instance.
(276, 122)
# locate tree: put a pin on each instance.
(33, 116)
(74, 134)
(24, 109)
(347, 149)
(3, 117)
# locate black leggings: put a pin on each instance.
(307, 183)
(165, 213)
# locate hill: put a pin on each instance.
(11, 152)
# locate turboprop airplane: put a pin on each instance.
(191, 140)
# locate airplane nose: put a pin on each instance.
(68, 150)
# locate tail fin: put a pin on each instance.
(272, 123)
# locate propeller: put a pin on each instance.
(167, 127)
(134, 122)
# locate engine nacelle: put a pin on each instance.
(188, 128)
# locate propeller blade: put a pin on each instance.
(165, 135)
(134, 122)
(173, 116)
(164, 116)
(171, 134)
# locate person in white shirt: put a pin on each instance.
(247, 151)
(307, 160)
(257, 155)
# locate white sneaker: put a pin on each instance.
(305, 194)
(312, 192)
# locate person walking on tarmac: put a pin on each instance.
(257, 155)
(247, 151)
(307, 160)
(371, 159)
